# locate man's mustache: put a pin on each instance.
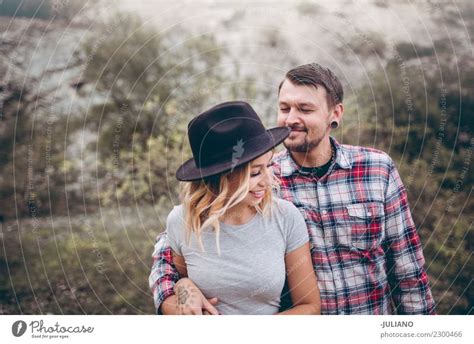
(297, 127)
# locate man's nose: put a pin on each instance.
(292, 117)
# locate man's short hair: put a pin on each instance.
(315, 75)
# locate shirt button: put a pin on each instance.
(324, 212)
(369, 213)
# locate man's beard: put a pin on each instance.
(304, 147)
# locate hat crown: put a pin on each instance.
(221, 130)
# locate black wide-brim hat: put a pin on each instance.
(226, 136)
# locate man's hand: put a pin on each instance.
(191, 301)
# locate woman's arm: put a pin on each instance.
(302, 282)
(188, 299)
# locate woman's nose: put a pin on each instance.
(267, 178)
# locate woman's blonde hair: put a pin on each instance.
(206, 200)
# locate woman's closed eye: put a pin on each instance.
(257, 173)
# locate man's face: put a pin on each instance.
(304, 109)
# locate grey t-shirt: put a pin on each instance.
(249, 275)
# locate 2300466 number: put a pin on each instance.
(456, 334)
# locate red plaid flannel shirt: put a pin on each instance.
(365, 248)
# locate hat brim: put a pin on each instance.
(251, 150)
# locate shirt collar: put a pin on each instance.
(343, 160)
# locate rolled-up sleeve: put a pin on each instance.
(163, 273)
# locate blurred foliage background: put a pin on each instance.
(95, 98)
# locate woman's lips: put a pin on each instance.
(258, 194)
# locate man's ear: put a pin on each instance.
(338, 112)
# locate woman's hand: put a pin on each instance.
(191, 301)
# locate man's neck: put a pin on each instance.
(318, 156)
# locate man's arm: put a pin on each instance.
(163, 281)
(163, 272)
(405, 262)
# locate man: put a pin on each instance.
(365, 248)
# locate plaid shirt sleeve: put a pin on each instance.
(405, 262)
(163, 273)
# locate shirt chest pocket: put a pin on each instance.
(364, 225)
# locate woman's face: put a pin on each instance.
(260, 180)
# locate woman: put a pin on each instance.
(230, 236)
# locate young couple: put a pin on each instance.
(251, 219)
